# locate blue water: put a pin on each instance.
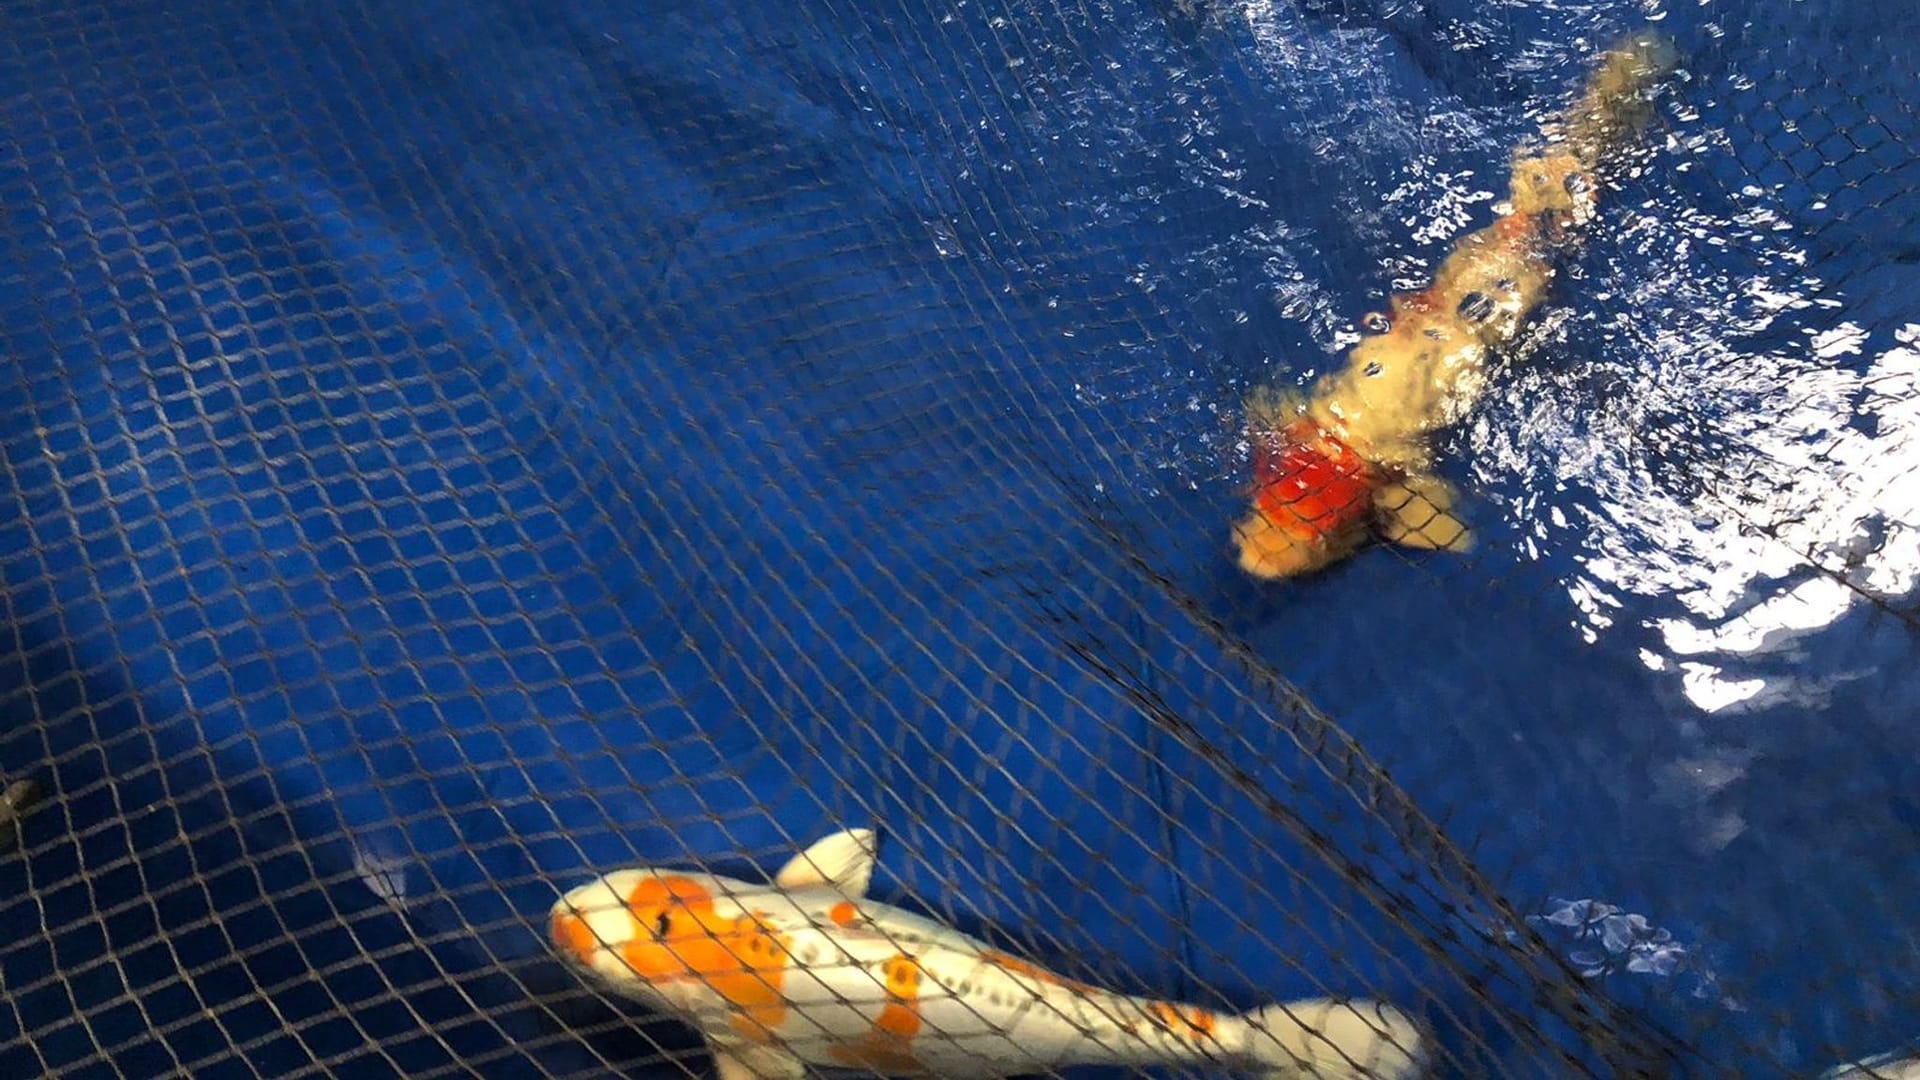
(452, 449)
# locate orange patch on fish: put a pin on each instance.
(1194, 1024)
(1310, 484)
(1514, 226)
(572, 933)
(844, 913)
(887, 1047)
(1414, 303)
(660, 891)
(1034, 971)
(679, 935)
(1313, 501)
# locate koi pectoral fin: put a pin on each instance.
(844, 860)
(1418, 512)
(1268, 409)
(745, 1062)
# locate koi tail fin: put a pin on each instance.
(1321, 1039)
(1617, 101)
(1562, 176)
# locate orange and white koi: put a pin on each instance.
(1350, 459)
(809, 971)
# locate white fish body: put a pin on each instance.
(1894, 1065)
(809, 972)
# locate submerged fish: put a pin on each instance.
(1893, 1065)
(807, 971)
(19, 799)
(1349, 460)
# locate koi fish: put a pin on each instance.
(1888, 1066)
(808, 971)
(18, 800)
(1350, 459)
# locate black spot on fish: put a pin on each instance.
(1376, 322)
(1476, 306)
(1436, 334)
(1373, 367)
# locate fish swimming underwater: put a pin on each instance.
(1350, 459)
(808, 972)
(1888, 1066)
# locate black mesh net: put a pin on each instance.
(452, 451)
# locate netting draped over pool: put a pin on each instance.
(452, 450)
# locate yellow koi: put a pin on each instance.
(1349, 460)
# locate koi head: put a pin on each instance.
(672, 939)
(1313, 501)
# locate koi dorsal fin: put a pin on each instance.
(843, 860)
